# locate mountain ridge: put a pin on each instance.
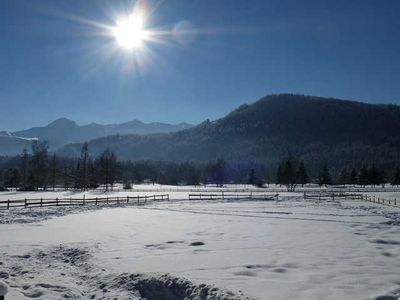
(315, 128)
(63, 131)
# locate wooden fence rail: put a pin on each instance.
(224, 196)
(42, 202)
(351, 196)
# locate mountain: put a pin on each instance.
(10, 144)
(316, 129)
(64, 131)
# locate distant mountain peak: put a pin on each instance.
(62, 122)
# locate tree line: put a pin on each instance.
(41, 170)
(292, 172)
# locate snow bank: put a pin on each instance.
(69, 272)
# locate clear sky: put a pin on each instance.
(58, 59)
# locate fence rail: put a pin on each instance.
(351, 196)
(223, 196)
(42, 202)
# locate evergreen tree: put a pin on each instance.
(279, 174)
(24, 170)
(396, 177)
(11, 178)
(39, 170)
(107, 166)
(363, 178)
(93, 177)
(288, 175)
(302, 176)
(324, 177)
(83, 168)
(353, 177)
(54, 171)
(219, 172)
(373, 175)
(344, 177)
(252, 177)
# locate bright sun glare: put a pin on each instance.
(130, 32)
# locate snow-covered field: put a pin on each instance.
(290, 249)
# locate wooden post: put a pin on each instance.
(8, 204)
(84, 199)
(41, 202)
(56, 201)
(107, 200)
(96, 200)
(26, 204)
(127, 199)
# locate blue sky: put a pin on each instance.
(55, 64)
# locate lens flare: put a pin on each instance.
(130, 32)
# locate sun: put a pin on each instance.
(130, 32)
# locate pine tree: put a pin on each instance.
(83, 168)
(373, 175)
(353, 177)
(288, 175)
(252, 177)
(24, 170)
(54, 171)
(107, 166)
(396, 177)
(344, 177)
(324, 177)
(279, 174)
(363, 178)
(39, 169)
(302, 176)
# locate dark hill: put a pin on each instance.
(317, 129)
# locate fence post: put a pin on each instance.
(107, 200)
(8, 204)
(127, 199)
(56, 201)
(26, 204)
(96, 200)
(84, 199)
(41, 202)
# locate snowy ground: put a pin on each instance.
(225, 249)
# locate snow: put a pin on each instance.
(3, 288)
(224, 249)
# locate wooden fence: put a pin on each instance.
(224, 196)
(42, 202)
(351, 196)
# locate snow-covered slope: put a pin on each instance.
(269, 250)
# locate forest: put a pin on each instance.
(41, 170)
